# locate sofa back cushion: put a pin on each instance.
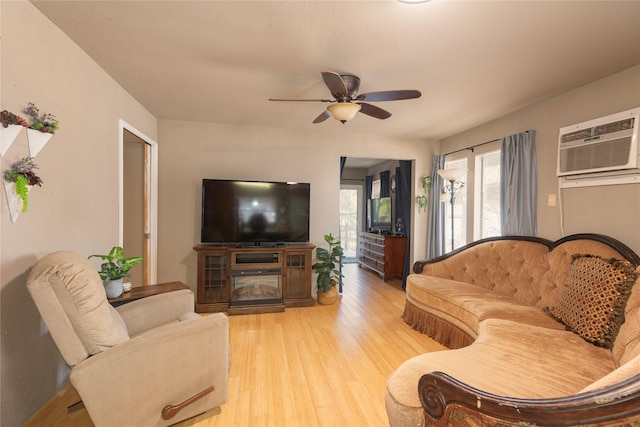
(525, 270)
(510, 267)
(559, 265)
(71, 299)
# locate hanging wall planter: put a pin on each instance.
(7, 136)
(21, 177)
(18, 181)
(14, 200)
(37, 140)
(11, 127)
(41, 129)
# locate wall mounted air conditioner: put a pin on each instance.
(601, 151)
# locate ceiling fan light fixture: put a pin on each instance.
(343, 111)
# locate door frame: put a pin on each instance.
(152, 191)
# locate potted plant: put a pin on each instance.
(23, 177)
(41, 129)
(115, 269)
(43, 122)
(327, 267)
(7, 118)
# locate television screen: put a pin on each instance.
(254, 213)
(379, 214)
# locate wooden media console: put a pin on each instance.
(247, 280)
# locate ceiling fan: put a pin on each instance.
(347, 102)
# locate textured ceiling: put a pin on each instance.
(473, 61)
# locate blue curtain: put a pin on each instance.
(384, 183)
(397, 203)
(368, 191)
(435, 211)
(403, 210)
(518, 185)
(343, 160)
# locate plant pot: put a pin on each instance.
(328, 298)
(14, 201)
(113, 288)
(7, 136)
(37, 140)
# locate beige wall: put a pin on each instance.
(611, 210)
(190, 152)
(77, 206)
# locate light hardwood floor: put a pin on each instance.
(312, 366)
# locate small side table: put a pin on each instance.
(146, 291)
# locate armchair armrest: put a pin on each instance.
(151, 312)
(440, 395)
(131, 383)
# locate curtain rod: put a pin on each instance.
(473, 146)
(477, 145)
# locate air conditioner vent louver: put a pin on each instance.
(600, 146)
(614, 127)
(574, 136)
(599, 130)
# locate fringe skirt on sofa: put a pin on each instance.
(440, 330)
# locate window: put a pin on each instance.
(476, 209)
(487, 196)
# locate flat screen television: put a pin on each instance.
(379, 215)
(251, 213)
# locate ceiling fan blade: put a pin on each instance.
(322, 117)
(335, 84)
(301, 100)
(389, 95)
(373, 111)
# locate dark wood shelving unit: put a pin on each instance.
(382, 253)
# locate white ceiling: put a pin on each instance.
(473, 61)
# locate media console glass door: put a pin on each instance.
(256, 286)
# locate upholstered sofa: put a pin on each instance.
(538, 333)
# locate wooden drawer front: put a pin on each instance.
(371, 263)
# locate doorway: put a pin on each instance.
(138, 209)
(350, 220)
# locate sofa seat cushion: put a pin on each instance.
(465, 305)
(508, 359)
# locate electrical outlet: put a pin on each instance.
(551, 200)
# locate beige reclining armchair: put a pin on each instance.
(151, 362)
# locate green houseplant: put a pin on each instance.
(43, 122)
(114, 269)
(22, 174)
(328, 269)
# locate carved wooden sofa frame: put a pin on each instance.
(445, 399)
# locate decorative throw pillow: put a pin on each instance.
(593, 301)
